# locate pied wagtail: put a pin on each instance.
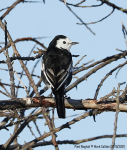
(56, 69)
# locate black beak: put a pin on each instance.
(73, 43)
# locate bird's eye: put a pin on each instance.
(64, 42)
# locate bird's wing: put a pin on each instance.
(64, 74)
(56, 78)
(45, 74)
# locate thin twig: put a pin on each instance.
(10, 68)
(102, 18)
(79, 4)
(23, 125)
(26, 39)
(78, 62)
(116, 117)
(4, 93)
(38, 84)
(124, 33)
(21, 62)
(20, 74)
(66, 125)
(80, 20)
(2, 85)
(21, 83)
(37, 128)
(33, 72)
(114, 6)
(23, 70)
(107, 75)
(74, 142)
(107, 61)
(30, 128)
(10, 8)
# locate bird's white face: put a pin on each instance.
(64, 44)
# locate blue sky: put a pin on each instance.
(51, 19)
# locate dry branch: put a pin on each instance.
(21, 62)
(116, 117)
(105, 60)
(10, 8)
(106, 76)
(66, 125)
(25, 39)
(20, 74)
(79, 5)
(101, 63)
(69, 103)
(45, 143)
(114, 6)
(9, 64)
(80, 20)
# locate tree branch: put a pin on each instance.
(9, 64)
(114, 6)
(69, 103)
(45, 143)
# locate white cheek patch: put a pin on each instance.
(61, 45)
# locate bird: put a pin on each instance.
(56, 69)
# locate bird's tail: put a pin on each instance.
(60, 103)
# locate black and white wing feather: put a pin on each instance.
(57, 69)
